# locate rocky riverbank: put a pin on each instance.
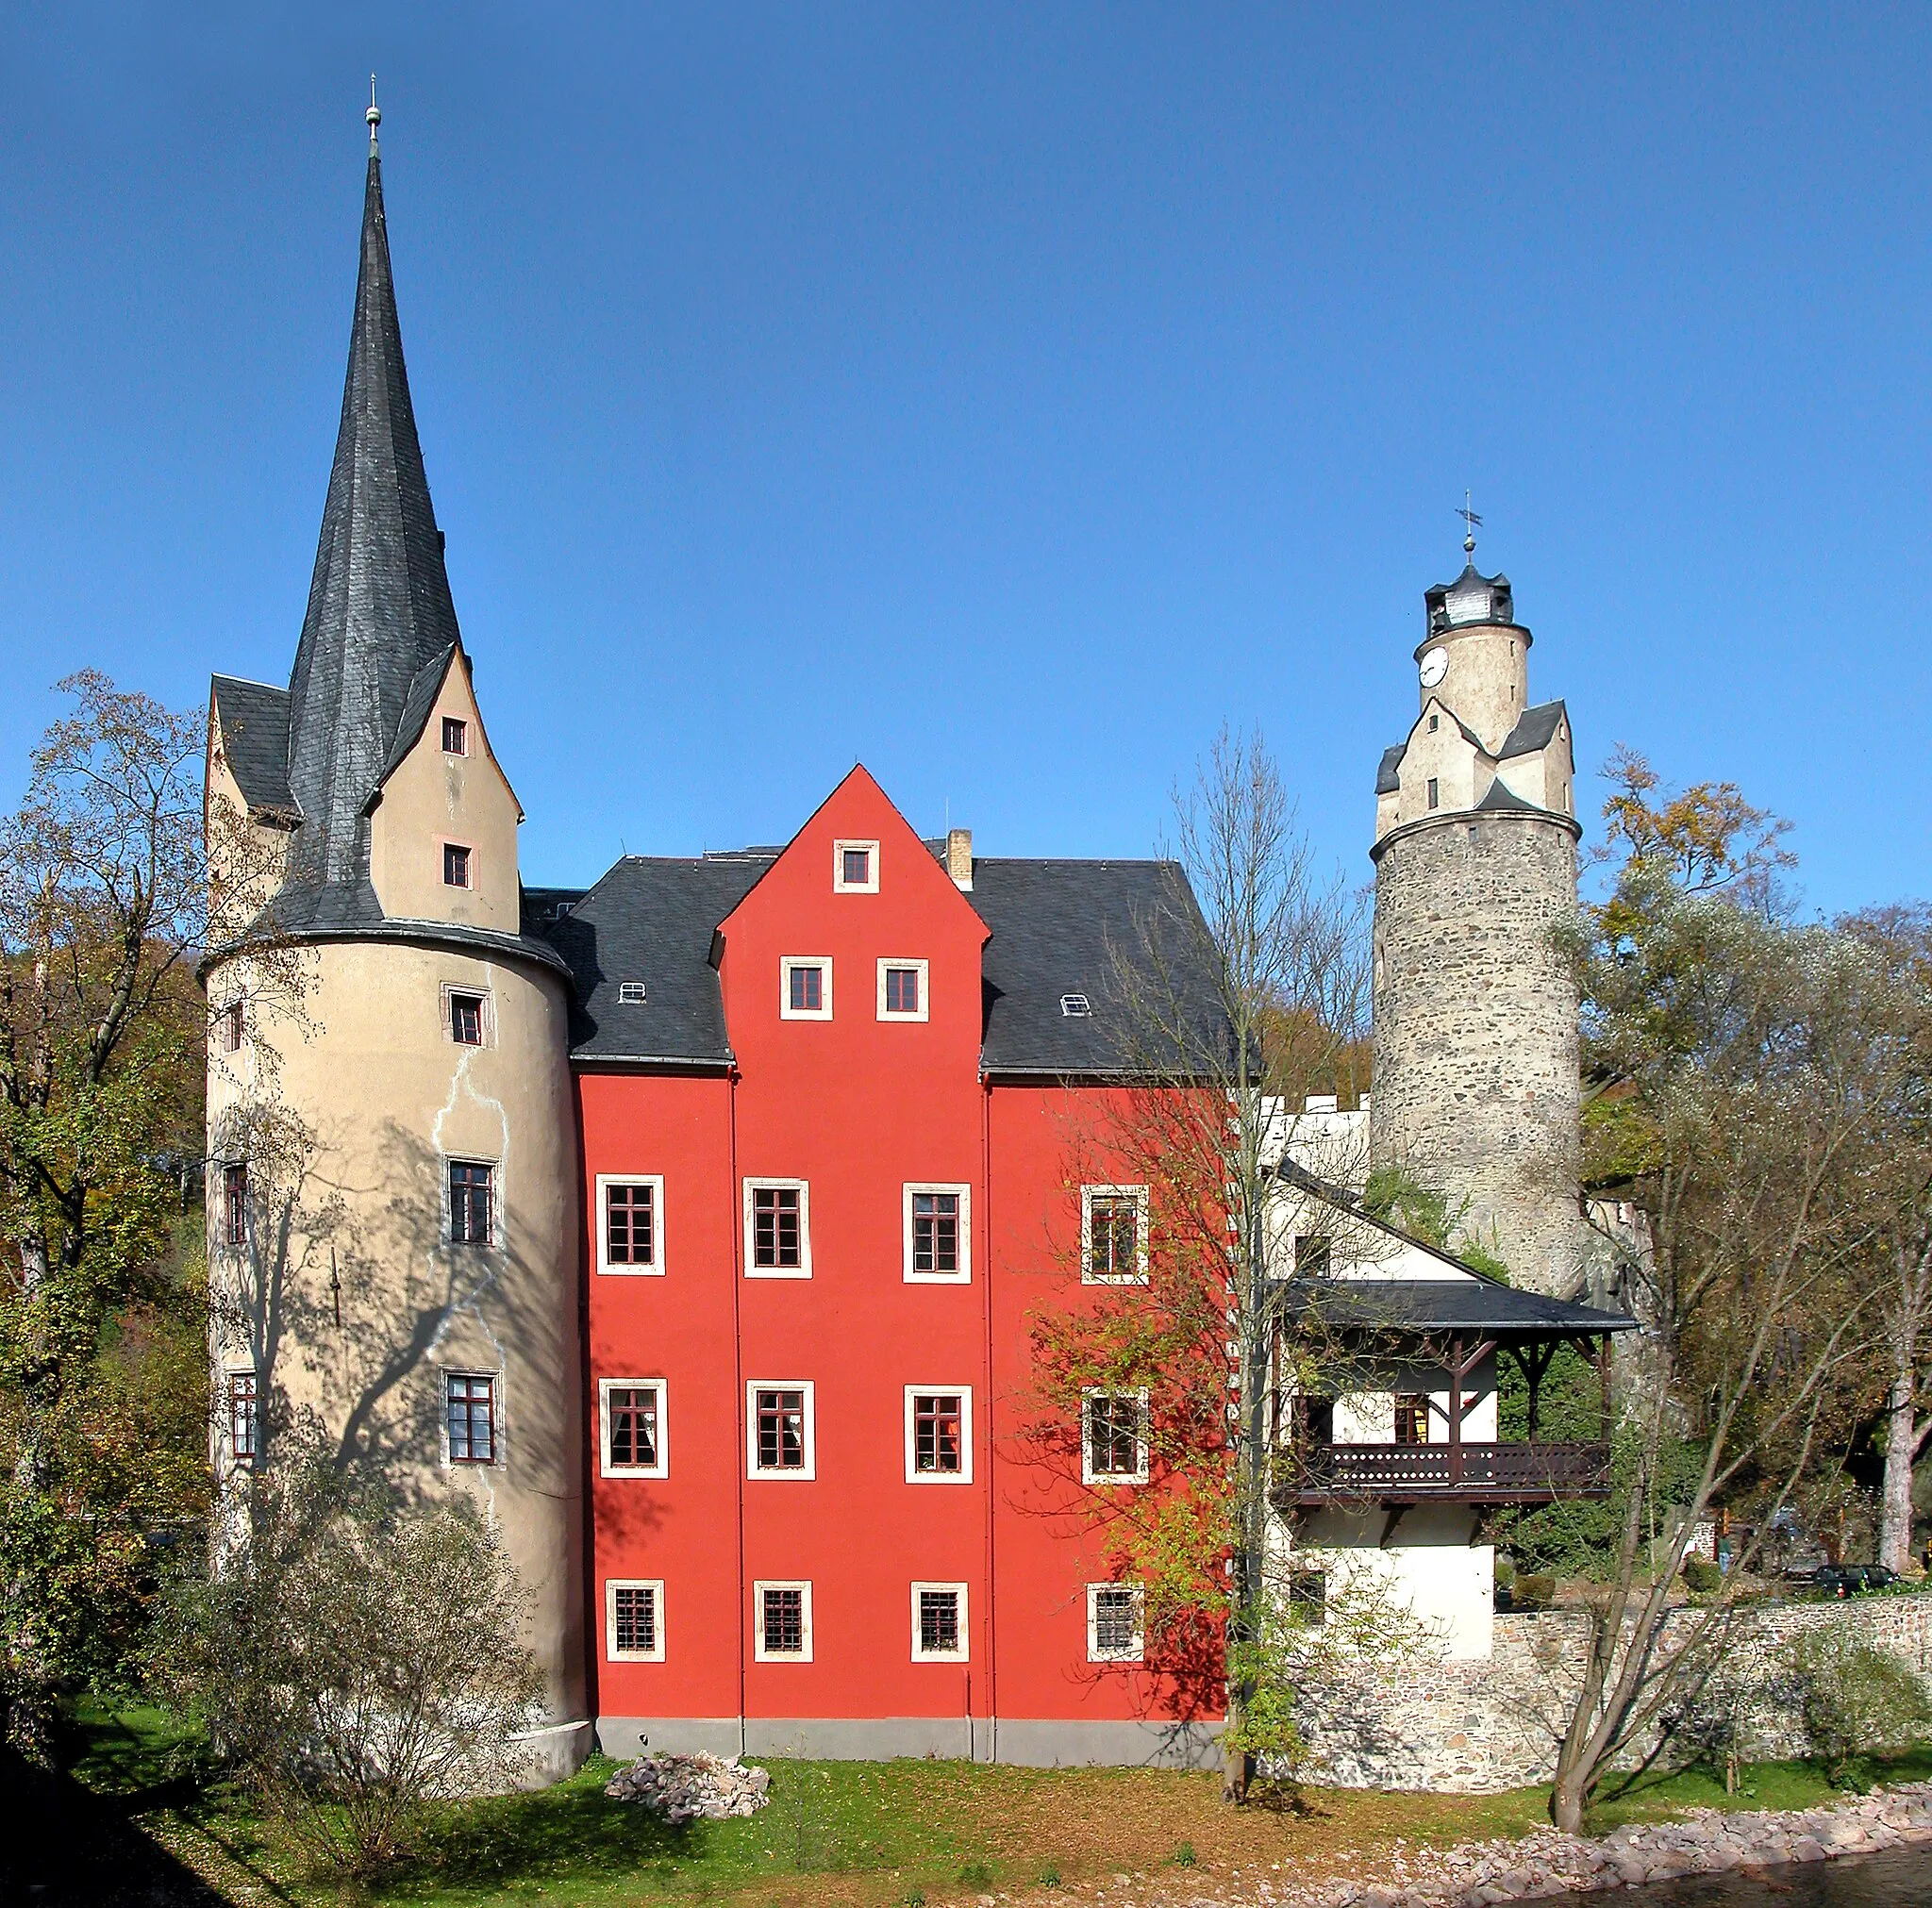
(1705, 1842)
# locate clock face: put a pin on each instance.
(1435, 667)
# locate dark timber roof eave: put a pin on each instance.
(379, 607)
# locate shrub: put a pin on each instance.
(1702, 1578)
(1534, 1592)
(1855, 1700)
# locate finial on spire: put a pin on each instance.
(1471, 524)
(375, 113)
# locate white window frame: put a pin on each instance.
(488, 1013)
(605, 1388)
(924, 987)
(803, 1269)
(1135, 1652)
(964, 1275)
(1088, 1474)
(612, 1585)
(964, 1653)
(1087, 1195)
(786, 1011)
(840, 884)
(655, 1182)
(964, 1474)
(752, 1469)
(759, 1653)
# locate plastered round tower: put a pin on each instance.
(1475, 1088)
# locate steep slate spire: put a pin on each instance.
(379, 607)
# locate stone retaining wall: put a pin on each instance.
(1475, 1726)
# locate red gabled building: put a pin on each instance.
(825, 1097)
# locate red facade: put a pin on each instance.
(899, 1336)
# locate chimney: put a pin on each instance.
(960, 858)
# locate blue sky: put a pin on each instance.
(1005, 398)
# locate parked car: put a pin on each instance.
(1847, 1580)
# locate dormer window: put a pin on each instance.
(455, 736)
(1435, 722)
(630, 993)
(1434, 792)
(456, 865)
(1074, 1006)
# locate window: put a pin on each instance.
(1434, 723)
(466, 1020)
(245, 1421)
(1113, 1235)
(777, 1229)
(633, 1427)
(230, 1027)
(634, 1621)
(1411, 1418)
(631, 1236)
(472, 1417)
(1314, 1421)
(855, 867)
(937, 1229)
(804, 988)
(1114, 1439)
(1311, 1256)
(782, 1434)
(1074, 1006)
(1435, 790)
(902, 990)
(1113, 1623)
(455, 736)
(630, 993)
(783, 1615)
(939, 1623)
(456, 865)
(235, 1205)
(469, 1203)
(939, 1434)
(1307, 1596)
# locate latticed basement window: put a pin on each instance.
(630, 1224)
(1113, 1622)
(777, 1235)
(936, 1232)
(634, 1619)
(782, 1620)
(472, 1417)
(635, 1413)
(782, 1429)
(939, 1621)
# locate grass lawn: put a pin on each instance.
(864, 1833)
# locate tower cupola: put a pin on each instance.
(1471, 598)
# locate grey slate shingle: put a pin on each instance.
(252, 721)
(1533, 730)
(1471, 1304)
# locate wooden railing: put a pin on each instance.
(1474, 1474)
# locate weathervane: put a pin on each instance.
(375, 113)
(1471, 524)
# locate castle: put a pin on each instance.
(692, 1222)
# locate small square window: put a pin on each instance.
(455, 736)
(1434, 722)
(1113, 1235)
(231, 1027)
(456, 865)
(855, 867)
(1114, 1623)
(633, 1427)
(781, 1431)
(777, 1229)
(783, 1615)
(938, 1237)
(235, 1203)
(902, 990)
(471, 1217)
(939, 1434)
(1413, 1419)
(630, 1239)
(244, 1420)
(1435, 791)
(1114, 1440)
(804, 988)
(939, 1623)
(471, 1404)
(466, 1020)
(634, 1621)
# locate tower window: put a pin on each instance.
(456, 866)
(231, 1027)
(244, 1420)
(466, 1020)
(235, 1205)
(456, 737)
(472, 1417)
(469, 1203)
(1435, 791)
(1435, 722)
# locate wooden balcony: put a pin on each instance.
(1441, 1473)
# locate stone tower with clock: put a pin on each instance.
(1475, 1062)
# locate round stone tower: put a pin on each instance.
(1476, 1089)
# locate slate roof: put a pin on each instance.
(1389, 775)
(1471, 1304)
(1052, 925)
(1503, 800)
(1533, 730)
(379, 608)
(252, 721)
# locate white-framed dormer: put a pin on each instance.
(630, 1224)
(935, 1215)
(805, 986)
(777, 1229)
(939, 1434)
(903, 987)
(1113, 1435)
(847, 865)
(939, 1631)
(633, 1427)
(1113, 1235)
(634, 1619)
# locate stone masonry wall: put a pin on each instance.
(1475, 1087)
(1474, 1727)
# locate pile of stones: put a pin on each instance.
(683, 1788)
